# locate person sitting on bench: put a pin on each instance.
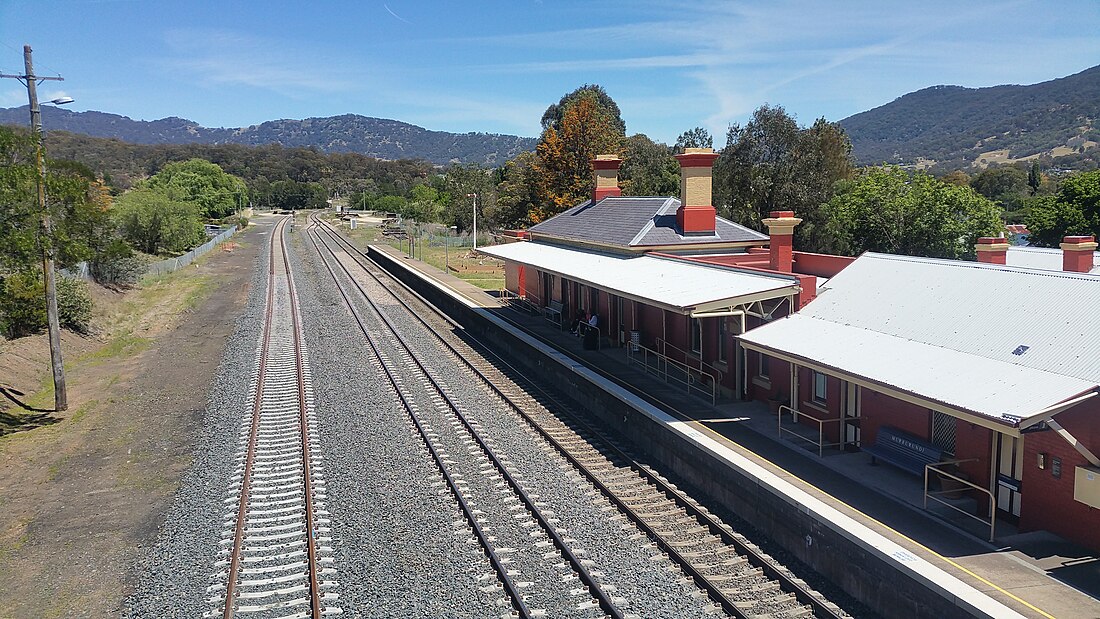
(576, 324)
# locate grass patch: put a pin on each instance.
(122, 345)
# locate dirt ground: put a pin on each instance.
(83, 492)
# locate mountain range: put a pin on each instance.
(375, 137)
(941, 127)
(951, 127)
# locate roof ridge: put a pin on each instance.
(968, 264)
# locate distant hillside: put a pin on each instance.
(350, 133)
(958, 127)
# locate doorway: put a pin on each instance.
(1010, 470)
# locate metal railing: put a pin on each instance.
(663, 345)
(935, 495)
(518, 301)
(583, 326)
(655, 363)
(820, 442)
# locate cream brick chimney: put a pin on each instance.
(606, 168)
(696, 215)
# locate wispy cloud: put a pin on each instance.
(221, 57)
(395, 15)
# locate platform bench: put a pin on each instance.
(553, 312)
(903, 450)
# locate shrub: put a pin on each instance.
(117, 266)
(23, 307)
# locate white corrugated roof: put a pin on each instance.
(959, 380)
(1043, 258)
(952, 331)
(673, 284)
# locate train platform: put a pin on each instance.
(1034, 574)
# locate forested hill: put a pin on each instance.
(350, 133)
(956, 127)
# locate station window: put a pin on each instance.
(820, 384)
(764, 371)
(697, 336)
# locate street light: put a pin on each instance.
(474, 196)
(447, 252)
(31, 81)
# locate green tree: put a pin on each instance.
(77, 202)
(459, 182)
(1007, 186)
(517, 191)
(1034, 177)
(295, 195)
(217, 193)
(694, 138)
(887, 209)
(772, 164)
(648, 169)
(1074, 210)
(155, 222)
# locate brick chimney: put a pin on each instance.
(992, 250)
(1077, 253)
(696, 214)
(781, 226)
(606, 168)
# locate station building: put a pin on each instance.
(991, 366)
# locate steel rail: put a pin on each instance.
(604, 600)
(769, 568)
(303, 424)
(246, 480)
(494, 559)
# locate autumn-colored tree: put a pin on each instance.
(580, 127)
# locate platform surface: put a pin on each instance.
(1036, 574)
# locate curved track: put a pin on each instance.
(741, 579)
(276, 560)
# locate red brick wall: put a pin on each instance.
(974, 441)
(1047, 502)
(512, 277)
(831, 405)
(882, 410)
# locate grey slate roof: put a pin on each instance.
(635, 222)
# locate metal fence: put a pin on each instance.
(177, 263)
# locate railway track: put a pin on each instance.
(276, 559)
(533, 561)
(736, 575)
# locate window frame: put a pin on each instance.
(823, 383)
(696, 328)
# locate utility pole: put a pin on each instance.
(45, 239)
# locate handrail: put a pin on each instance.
(934, 495)
(663, 343)
(661, 368)
(821, 444)
(599, 334)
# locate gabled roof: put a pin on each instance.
(676, 285)
(999, 341)
(635, 223)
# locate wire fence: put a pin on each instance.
(81, 270)
(177, 263)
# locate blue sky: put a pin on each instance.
(496, 66)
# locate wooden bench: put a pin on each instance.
(903, 450)
(553, 312)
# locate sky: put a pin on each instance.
(495, 66)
